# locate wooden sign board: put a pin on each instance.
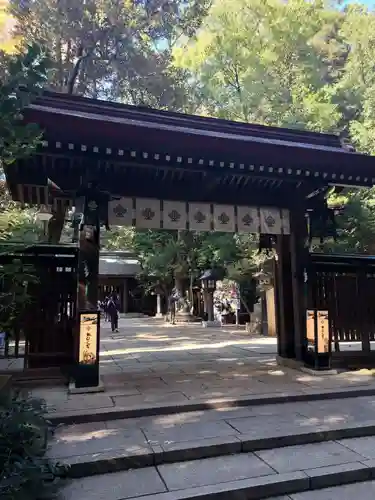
(88, 337)
(321, 319)
(310, 326)
(323, 332)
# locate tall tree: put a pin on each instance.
(357, 86)
(256, 62)
(114, 49)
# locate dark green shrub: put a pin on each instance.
(26, 472)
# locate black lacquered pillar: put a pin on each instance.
(88, 321)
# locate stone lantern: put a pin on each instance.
(208, 281)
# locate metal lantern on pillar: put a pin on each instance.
(264, 279)
(208, 280)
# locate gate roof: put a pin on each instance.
(137, 151)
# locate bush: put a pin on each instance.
(26, 473)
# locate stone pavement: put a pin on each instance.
(223, 451)
(105, 446)
(256, 475)
(150, 364)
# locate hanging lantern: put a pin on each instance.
(322, 224)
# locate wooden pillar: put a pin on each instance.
(271, 312)
(125, 302)
(299, 262)
(284, 298)
(56, 225)
(210, 306)
(88, 338)
(159, 313)
(89, 269)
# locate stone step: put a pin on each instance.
(259, 475)
(153, 409)
(364, 491)
(110, 452)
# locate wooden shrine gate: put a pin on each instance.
(345, 287)
(128, 165)
(44, 338)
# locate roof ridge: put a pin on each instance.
(78, 103)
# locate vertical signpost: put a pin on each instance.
(310, 329)
(323, 333)
(318, 339)
(88, 354)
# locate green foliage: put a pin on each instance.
(118, 238)
(158, 255)
(298, 64)
(23, 78)
(167, 257)
(120, 50)
(17, 224)
(26, 75)
(256, 62)
(15, 279)
(26, 474)
(356, 222)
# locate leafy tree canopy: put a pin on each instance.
(22, 80)
(113, 49)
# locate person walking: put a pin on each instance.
(105, 308)
(113, 307)
(172, 302)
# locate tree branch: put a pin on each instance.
(75, 72)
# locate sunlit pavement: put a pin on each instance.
(150, 362)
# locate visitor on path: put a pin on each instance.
(113, 306)
(172, 301)
(105, 307)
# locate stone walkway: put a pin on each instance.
(150, 363)
(183, 435)
(262, 450)
(260, 474)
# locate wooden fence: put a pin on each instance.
(345, 286)
(44, 336)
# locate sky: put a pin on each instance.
(369, 3)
